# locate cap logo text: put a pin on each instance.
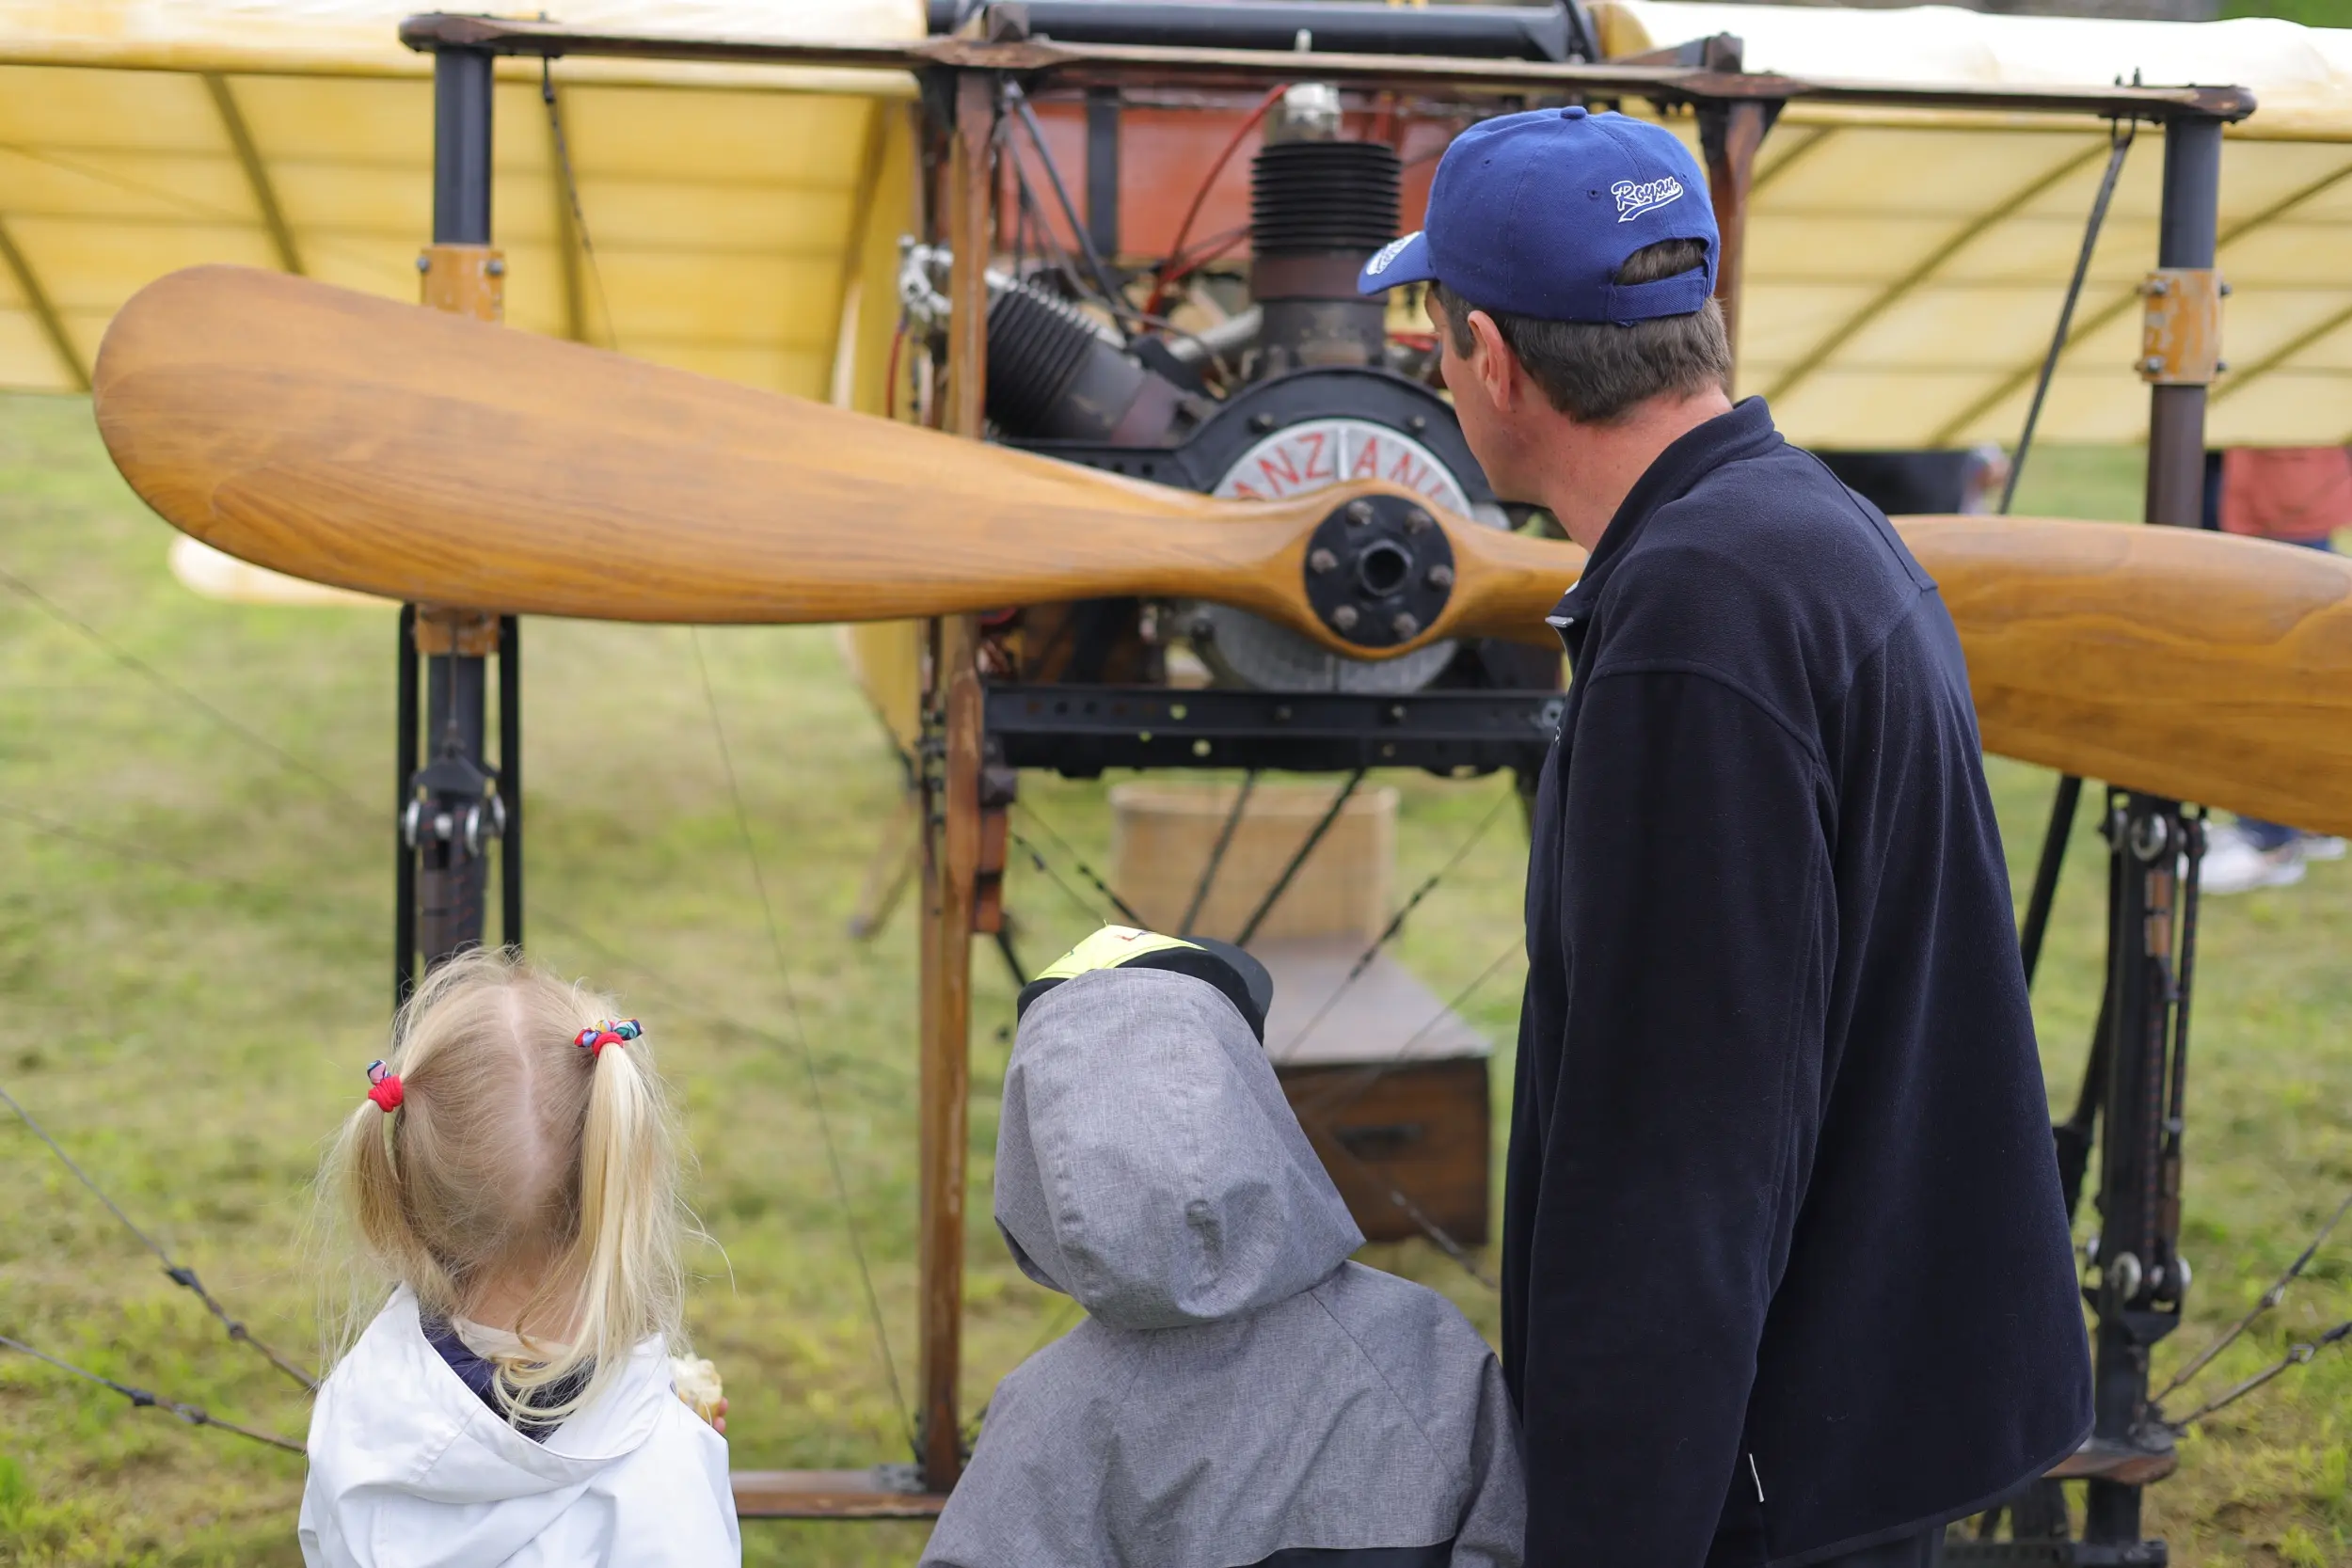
(1634, 200)
(1387, 253)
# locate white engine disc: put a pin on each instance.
(1298, 460)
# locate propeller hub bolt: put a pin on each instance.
(1359, 512)
(1405, 624)
(1323, 560)
(1344, 617)
(1440, 576)
(1416, 520)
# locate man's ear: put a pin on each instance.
(1500, 376)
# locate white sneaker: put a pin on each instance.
(2233, 864)
(2322, 846)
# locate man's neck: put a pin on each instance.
(1587, 473)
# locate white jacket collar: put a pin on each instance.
(394, 1419)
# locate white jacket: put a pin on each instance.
(410, 1469)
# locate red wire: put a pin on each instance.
(1184, 229)
(1175, 270)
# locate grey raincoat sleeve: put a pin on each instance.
(1495, 1522)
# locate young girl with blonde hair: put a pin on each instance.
(512, 1177)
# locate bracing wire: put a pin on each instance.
(800, 1034)
(1216, 853)
(1363, 1081)
(178, 1272)
(1316, 1114)
(2119, 135)
(1061, 193)
(743, 825)
(661, 985)
(1439, 1235)
(1397, 922)
(131, 661)
(111, 846)
(2299, 1353)
(2262, 1303)
(1290, 872)
(1126, 910)
(1319, 1112)
(571, 194)
(195, 1415)
(1077, 900)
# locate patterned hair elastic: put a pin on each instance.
(604, 1032)
(383, 1087)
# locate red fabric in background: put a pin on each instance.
(2298, 493)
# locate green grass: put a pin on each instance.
(2310, 13)
(193, 972)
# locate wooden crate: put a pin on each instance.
(1162, 835)
(1391, 1085)
(1420, 1130)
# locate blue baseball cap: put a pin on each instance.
(1533, 213)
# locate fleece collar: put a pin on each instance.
(1745, 431)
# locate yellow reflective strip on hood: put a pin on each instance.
(1108, 948)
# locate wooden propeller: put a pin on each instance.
(394, 451)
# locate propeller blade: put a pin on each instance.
(2170, 660)
(417, 455)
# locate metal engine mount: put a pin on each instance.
(1380, 571)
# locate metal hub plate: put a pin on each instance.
(1296, 460)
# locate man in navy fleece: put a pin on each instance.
(1787, 1279)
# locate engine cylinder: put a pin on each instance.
(1311, 195)
(1051, 377)
(1318, 211)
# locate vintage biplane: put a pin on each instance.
(1059, 416)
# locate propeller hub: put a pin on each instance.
(1378, 570)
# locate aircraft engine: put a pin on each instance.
(1319, 397)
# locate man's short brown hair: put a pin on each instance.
(1595, 371)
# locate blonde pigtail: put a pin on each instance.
(523, 1137)
(623, 1282)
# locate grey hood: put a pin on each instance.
(1179, 1188)
(1239, 1389)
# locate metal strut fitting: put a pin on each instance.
(454, 812)
(2153, 843)
(451, 808)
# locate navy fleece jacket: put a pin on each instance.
(1785, 1266)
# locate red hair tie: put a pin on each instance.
(604, 1032)
(383, 1087)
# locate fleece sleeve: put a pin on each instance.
(1660, 1163)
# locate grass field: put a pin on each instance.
(194, 966)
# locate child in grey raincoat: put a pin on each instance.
(1241, 1395)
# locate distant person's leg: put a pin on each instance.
(2251, 853)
